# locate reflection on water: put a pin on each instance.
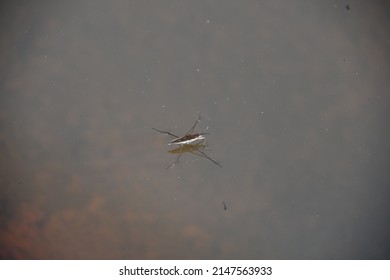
(293, 96)
(195, 149)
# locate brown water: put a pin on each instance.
(295, 95)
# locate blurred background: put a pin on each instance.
(295, 95)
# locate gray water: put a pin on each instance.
(295, 95)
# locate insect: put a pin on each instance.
(188, 138)
(224, 205)
(189, 143)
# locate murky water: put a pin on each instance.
(295, 95)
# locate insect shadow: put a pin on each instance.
(189, 143)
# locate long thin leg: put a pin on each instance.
(193, 127)
(217, 163)
(177, 159)
(202, 154)
(165, 132)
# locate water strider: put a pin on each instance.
(189, 143)
(188, 138)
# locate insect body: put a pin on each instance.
(188, 139)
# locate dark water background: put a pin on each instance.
(295, 95)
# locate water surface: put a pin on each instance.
(295, 95)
